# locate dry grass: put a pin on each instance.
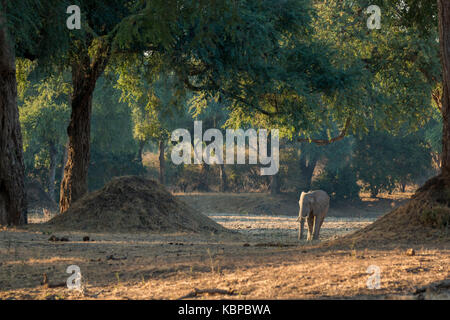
(426, 217)
(40, 216)
(261, 260)
(266, 263)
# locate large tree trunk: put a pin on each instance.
(74, 183)
(162, 162)
(64, 159)
(12, 170)
(52, 172)
(85, 73)
(436, 188)
(444, 38)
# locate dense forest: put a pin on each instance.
(358, 109)
(225, 149)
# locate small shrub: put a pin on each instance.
(340, 185)
(436, 217)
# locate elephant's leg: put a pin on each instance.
(301, 228)
(317, 224)
(321, 222)
(310, 227)
(322, 218)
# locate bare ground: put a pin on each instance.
(287, 204)
(261, 260)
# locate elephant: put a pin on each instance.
(314, 206)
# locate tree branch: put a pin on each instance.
(247, 103)
(437, 97)
(195, 88)
(196, 292)
(323, 142)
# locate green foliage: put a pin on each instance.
(382, 160)
(433, 133)
(38, 28)
(157, 108)
(113, 147)
(340, 184)
(246, 178)
(105, 166)
(44, 115)
(304, 67)
(23, 69)
(111, 121)
(268, 69)
(420, 15)
(343, 71)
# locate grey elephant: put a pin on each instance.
(314, 207)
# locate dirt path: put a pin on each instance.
(283, 229)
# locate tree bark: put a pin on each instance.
(85, 73)
(204, 173)
(223, 178)
(444, 38)
(162, 162)
(141, 150)
(306, 172)
(52, 171)
(374, 192)
(12, 170)
(403, 187)
(64, 159)
(274, 184)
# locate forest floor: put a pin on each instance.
(287, 204)
(262, 259)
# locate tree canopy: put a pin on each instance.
(136, 70)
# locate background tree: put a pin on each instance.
(425, 17)
(30, 29)
(113, 145)
(88, 56)
(380, 90)
(157, 103)
(12, 194)
(111, 29)
(384, 161)
(44, 115)
(444, 40)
